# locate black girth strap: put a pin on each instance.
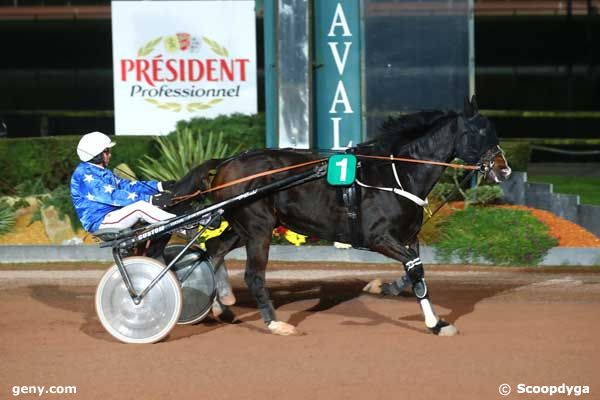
(351, 199)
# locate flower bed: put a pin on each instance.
(566, 232)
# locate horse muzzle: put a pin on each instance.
(494, 166)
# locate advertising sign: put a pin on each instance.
(337, 80)
(176, 60)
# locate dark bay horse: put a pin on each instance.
(388, 223)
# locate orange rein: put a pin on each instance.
(179, 199)
(412, 160)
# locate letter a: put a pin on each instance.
(339, 19)
(341, 97)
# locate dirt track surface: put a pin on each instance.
(531, 327)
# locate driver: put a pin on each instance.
(103, 200)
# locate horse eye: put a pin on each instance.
(482, 131)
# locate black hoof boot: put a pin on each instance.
(227, 316)
(395, 288)
(389, 289)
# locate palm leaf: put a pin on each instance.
(182, 150)
(7, 218)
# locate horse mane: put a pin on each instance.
(404, 129)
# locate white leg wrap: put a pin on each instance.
(430, 318)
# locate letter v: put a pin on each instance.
(341, 64)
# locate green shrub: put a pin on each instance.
(443, 192)
(448, 188)
(182, 150)
(482, 195)
(501, 236)
(130, 149)
(52, 159)
(246, 131)
(7, 217)
(517, 153)
(32, 187)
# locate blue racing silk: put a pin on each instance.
(96, 191)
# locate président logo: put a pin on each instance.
(182, 66)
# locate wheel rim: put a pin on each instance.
(157, 313)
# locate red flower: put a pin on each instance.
(280, 230)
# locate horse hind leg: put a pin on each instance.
(394, 288)
(257, 251)
(217, 248)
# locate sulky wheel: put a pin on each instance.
(158, 311)
(197, 279)
(198, 289)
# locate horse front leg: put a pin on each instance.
(413, 266)
(257, 251)
(416, 273)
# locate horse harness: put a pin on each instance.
(351, 202)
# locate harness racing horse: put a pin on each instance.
(388, 223)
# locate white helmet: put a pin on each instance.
(91, 144)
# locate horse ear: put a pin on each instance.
(474, 104)
(468, 108)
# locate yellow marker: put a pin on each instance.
(294, 238)
(211, 233)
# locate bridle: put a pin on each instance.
(488, 160)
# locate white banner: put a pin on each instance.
(176, 60)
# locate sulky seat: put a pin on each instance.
(110, 234)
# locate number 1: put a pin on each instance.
(343, 164)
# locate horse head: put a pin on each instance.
(478, 144)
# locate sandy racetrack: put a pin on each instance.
(517, 326)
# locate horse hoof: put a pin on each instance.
(443, 328)
(282, 328)
(373, 287)
(449, 330)
(228, 299)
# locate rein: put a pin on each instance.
(179, 199)
(412, 160)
